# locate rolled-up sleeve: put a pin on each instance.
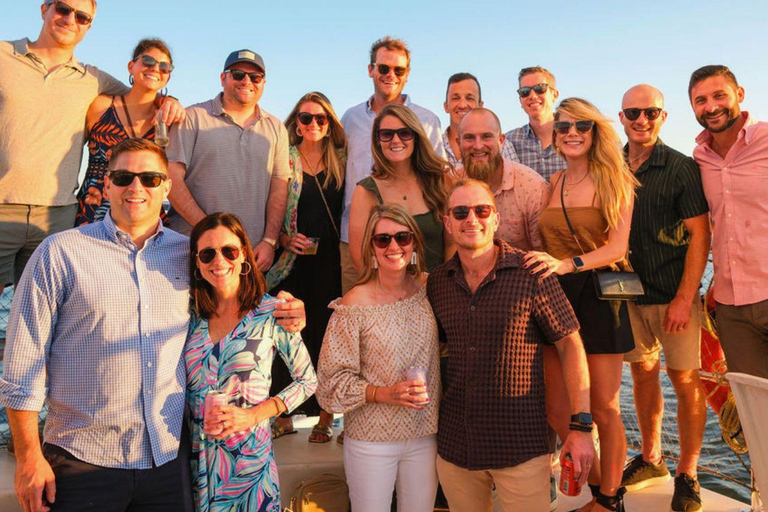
(296, 357)
(341, 388)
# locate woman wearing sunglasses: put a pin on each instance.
(596, 190)
(309, 266)
(406, 171)
(233, 339)
(380, 329)
(112, 119)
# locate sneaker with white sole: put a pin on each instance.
(639, 474)
(687, 497)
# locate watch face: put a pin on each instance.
(582, 417)
(578, 262)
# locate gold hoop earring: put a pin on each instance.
(298, 131)
(247, 271)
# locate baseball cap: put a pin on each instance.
(245, 56)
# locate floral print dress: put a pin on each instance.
(239, 473)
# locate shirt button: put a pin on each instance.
(146, 335)
(471, 349)
(725, 169)
(149, 392)
(149, 364)
(733, 262)
(727, 191)
(472, 308)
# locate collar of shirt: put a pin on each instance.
(747, 132)
(122, 238)
(507, 178)
(506, 258)
(217, 109)
(21, 49)
(370, 112)
(658, 156)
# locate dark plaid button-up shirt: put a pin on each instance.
(493, 413)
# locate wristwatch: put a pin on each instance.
(270, 241)
(582, 418)
(578, 264)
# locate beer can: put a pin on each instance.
(569, 486)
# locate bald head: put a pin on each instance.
(483, 115)
(642, 96)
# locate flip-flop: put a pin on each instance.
(321, 430)
(280, 431)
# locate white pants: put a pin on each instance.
(374, 469)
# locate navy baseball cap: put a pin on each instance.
(245, 56)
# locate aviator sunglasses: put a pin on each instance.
(122, 178)
(230, 252)
(149, 61)
(482, 211)
(384, 69)
(403, 239)
(387, 134)
(239, 74)
(563, 127)
(64, 10)
(524, 92)
(305, 118)
(651, 113)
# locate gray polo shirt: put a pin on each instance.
(228, 168)
(42, 124)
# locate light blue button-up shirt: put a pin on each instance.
(96, 330)
(358, 124)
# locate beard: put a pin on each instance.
(482, 172)
(732, 114)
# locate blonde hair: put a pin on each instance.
(429, 168)
(614, 182)
(334, 145)
(396, 213)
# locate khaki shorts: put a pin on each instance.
(22, 228)
(348, 274)
(682, 349)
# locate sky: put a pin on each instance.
(596, 49)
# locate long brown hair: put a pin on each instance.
(396, 213)
(614, 182)
(252, 284)
(429, 168)
(334, 145)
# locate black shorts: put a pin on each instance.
(605, 326)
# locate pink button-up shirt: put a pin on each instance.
(737, 191)
(520, 199)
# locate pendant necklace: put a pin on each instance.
(572, 185)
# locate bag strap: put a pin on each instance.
(327, 208)
(565, 213)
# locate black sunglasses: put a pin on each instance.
(230, 252)
(239, 74)
(384, 69)
(563, 127)
(64, 10)
(403, 239)
(305, 118)
(122, 178)
(524, 92)
(651, 113)
(387, 134)
(482, 211)
(149, 61)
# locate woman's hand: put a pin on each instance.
(408, 393)
(290, 314)
(298, 244)
(547, 265)
(238, 419)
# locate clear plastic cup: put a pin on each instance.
(213, 399)
(312, 249)
(418, 373)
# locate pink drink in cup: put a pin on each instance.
(418, 373)
(214, 399)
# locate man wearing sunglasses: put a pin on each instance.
(46, 94)
(231, 155)
(533, 141)
(96, 330)
(668, 248)
(519, 192)
(495, 365)
(389, 68)
(732, 152)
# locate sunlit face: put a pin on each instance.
(220, 272)
(150, 77)
(574, 145)
(312, 131)
(480, 142)
(136, 206)
(243, 92)
(396, 150)
(473, 232)
(64, 30)
(538, 105)
(461, 98)
(642, 130)
(393, 257)
(715, 101)
(389, 86)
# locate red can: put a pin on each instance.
(568, 483)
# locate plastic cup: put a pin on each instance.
(418, 373)
(312, 249)
(214, 399)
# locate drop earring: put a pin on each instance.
(375, 263)
(414, 258)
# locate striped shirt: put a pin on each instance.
(507, 151)
(96, 330)
(528, 147)
(670, 192)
